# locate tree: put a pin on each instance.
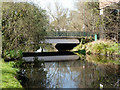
(75, 22)
(58, 18)
(23, 26)
(86, 17)
(111, 20)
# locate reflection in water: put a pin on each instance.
(52, 58)
(47, 47)
(99, 59)
(71, 74)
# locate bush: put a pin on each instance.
(13, 54)
(105, 47)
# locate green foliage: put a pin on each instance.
(83, 40)
(13, 54)
(105, 48)
(23, 26)
(100, 47)
(9, 75)
(113, 48)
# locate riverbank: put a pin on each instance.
(9, 79)
(102, 47)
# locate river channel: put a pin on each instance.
(82, 71)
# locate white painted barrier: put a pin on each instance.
(62, 41)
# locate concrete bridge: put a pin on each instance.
(63, 43)
(62, 39)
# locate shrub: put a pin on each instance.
(100, 47)
(12, 54)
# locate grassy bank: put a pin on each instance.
(9, 75)
(105, 47)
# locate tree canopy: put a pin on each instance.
(23, 26)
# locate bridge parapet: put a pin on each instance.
(62, 41)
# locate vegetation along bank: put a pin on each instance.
(24, 25)
(103, 47)
(9, 75)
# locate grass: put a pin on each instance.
(9, 75)
(106, 47)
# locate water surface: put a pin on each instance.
(87, 72)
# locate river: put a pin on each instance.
(87, 71)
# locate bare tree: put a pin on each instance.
(111, 19)
(59, 17)
(86, 16)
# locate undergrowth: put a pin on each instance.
(106, 47)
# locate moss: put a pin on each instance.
(9, 79)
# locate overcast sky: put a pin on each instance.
(45, 3)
